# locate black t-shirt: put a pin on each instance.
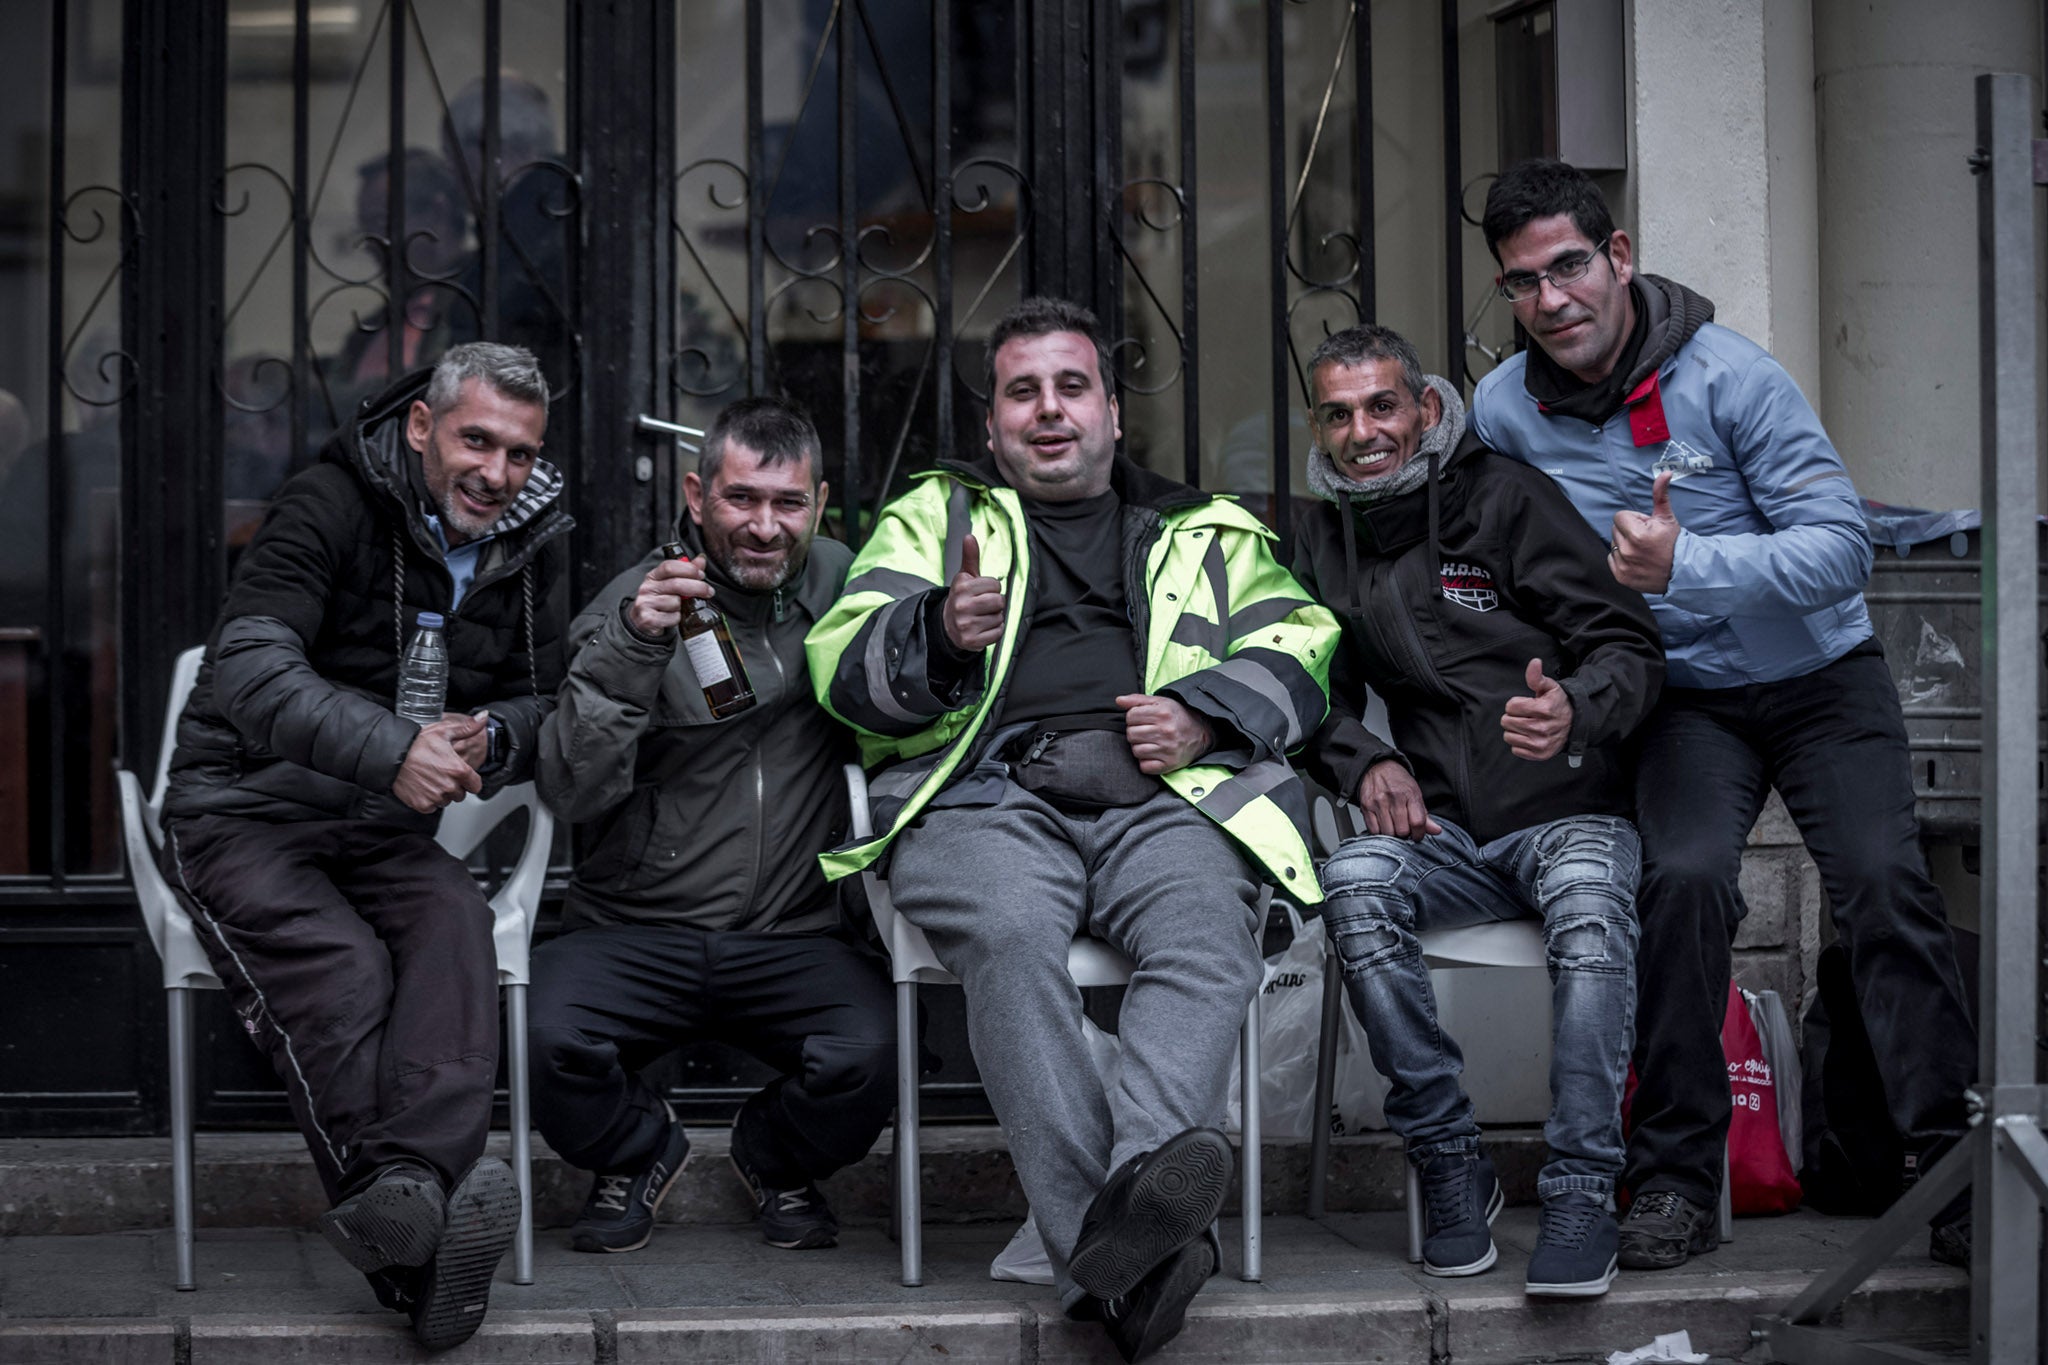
(1079, 653)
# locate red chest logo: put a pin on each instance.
(1469, 585)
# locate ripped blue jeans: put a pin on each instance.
(1579, 876)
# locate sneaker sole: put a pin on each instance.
(393, 1223)
(483, 1214)
(1486, 1262)
(1172, 1202)
(1664, 1254)
(592, 1242)
(1582, 1289)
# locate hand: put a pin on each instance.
(658, 607)
(974, 605)
(433, 773)
(1643, 546)
(1392, 802)
(472, 745)
(1163, 734)
(1537, 725)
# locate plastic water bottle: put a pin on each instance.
(423, 673)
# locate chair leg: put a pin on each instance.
(1326, 1082)
(909, 1192)
(518, 1086)
(1254, 1147)
(178, 1002)
(1414, 1211)
(1727, 1212)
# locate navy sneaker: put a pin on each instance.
(395, 1221)
(483, 1213)
(1461, 1196)
(1575, 1247)
(1664, 1229)
(619, 1215)
(793, 1217)
(1149, 1208)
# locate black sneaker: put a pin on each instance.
(793, 1217)
(483, 1213)
(396, 1287)
(1153, 1313)
(395, 1221)
(619, 1215)
(1461, 1196)
(1575, 1248)
(1150, 1207)
(1663, 1229)
(1949, 1243)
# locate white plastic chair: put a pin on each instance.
(1516, 944)
(1092, 963)
(186, 969)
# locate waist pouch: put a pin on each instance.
(1082, 770)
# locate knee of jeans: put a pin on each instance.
(1588, 855)
(841, 1066)
(1368, 866)
(1596, 937)
(1371, 935)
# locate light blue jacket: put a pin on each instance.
(1767, 577)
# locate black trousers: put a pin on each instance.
(359, 957)
(608, 1000)
(1834, 745)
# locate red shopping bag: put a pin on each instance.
(1759, 1171)
(1760, 1174)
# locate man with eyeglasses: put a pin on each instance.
(1694, 453)
(698, 909)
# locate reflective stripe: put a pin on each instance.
(1235, 793)
(1258, 678)
(894, 582)
(876, 662)
(1199, 632)
(1219, 591)
(1259, 615)
(957, 527)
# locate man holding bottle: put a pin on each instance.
(704, 780)
(301, 809)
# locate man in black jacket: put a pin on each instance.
(699, 909)
(301, 809)
(1477, 604)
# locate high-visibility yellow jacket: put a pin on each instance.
(1226, 631)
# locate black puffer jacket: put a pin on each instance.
(1443, 626)
(292, 718)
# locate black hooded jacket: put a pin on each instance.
(1443, 606)
(292, 715)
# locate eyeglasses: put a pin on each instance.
(1521, 286)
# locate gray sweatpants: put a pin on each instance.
(1000, 890)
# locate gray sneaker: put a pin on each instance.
(1575, 1248)
(1461, 1196)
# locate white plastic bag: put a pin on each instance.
(1290, 1028)
(1781, 1052)
(1024, 1260)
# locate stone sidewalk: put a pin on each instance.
(1338, 1290)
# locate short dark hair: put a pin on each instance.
(511, 370)
(1534, 189)
(1369, 341)
(774, 428)
(1037, 317)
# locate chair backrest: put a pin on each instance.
(184, 963)
(514, 909)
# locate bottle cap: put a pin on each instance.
(430, 620)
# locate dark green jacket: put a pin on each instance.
(686, 820)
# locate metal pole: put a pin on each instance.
(2008, 1222)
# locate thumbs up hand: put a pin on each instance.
(974, 605)
(1536, 726)
(1643, 546)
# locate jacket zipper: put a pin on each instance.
(760, 773)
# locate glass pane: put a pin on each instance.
(394, 266)
(808, 193)
(63, 380)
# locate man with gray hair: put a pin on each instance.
(301, 810)
(1477, 604)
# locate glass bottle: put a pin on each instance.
(713, 656)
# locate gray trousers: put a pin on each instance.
(1001, 890)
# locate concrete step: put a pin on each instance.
(1335, 1290)
(257, 1180)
